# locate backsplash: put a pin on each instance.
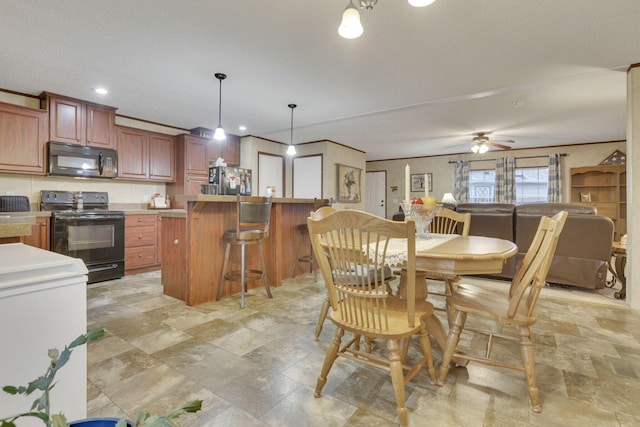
(132, 193)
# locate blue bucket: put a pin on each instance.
(97, 422)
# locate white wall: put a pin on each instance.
(332, 154)
(443, 171)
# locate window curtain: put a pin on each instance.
(554, 191)
(461, 181)
(505, 180)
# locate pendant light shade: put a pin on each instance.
(350, 27)
(420, 3)
(219, 134)
(291, 151)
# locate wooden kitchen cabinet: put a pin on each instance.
(23, 135)
(193, 155)
(140, 243)
(231, 150)
(73, 121)
(145, 155)
(133, 153)
(162, 157)
(39, 234)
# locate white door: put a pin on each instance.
(376, 194)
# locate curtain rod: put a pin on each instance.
(523, 157)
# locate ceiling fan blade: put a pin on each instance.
(495, 144)
(502, 141)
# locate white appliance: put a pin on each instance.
(43, 305)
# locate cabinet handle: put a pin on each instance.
(139, 219)
(175, 242)
(140, 237)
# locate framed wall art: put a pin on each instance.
(418, 184)
(348, 180)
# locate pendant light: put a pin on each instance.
(219, 135)
(420, 3)
(350, 27)
(291, 151)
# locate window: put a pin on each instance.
(531, 185)
(482, 186)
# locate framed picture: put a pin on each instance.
(418, 184)
(348, 180)
(585, 197)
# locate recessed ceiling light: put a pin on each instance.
(242, 128)
(101, 90)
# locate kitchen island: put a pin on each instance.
(192, 248)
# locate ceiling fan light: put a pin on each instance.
(420, 3)
(475, 148)
(483, 148)
(350, 27)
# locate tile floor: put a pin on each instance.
(258, 366)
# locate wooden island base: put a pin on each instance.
(192, 249)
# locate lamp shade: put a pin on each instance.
(291, 151)
(219, 134)
(448, 199)
(350, 27)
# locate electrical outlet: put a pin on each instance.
(10, 193)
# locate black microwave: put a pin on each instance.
(82, 161)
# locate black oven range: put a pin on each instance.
(82, 226)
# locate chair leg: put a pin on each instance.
(397, 380)
(323, 315)
(452, 343)
(425, 344)
(329, 358)
(224, 272)
(526, 351)
(264, 270)
(449, 288)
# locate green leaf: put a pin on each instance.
(10, 389)
(7, 424)
(59, 420)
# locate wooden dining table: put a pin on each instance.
(459, 255)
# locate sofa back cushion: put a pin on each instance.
(584, 247)
(490, 219)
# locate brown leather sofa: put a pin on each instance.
(584, 249)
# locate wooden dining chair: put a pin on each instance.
(448, 221)
(517, 307)
(351, 248)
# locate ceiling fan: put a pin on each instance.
(482, 143)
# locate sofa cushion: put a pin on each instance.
(584, 247)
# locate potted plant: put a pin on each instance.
(40, 408)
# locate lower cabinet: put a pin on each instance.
(141, 249)
(39, 234)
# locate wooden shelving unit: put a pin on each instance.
(605, 187)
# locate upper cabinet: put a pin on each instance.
(78, 122)
(23, 134)
(231, 150)
(145, 155)
(162, 157)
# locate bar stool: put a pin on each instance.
(303, 232)
(252, 226)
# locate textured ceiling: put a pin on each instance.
(418, 82)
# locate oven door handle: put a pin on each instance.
(107, 267)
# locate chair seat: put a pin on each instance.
(359, 276)
(397, 319)
(244, 235)
(490, 303)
